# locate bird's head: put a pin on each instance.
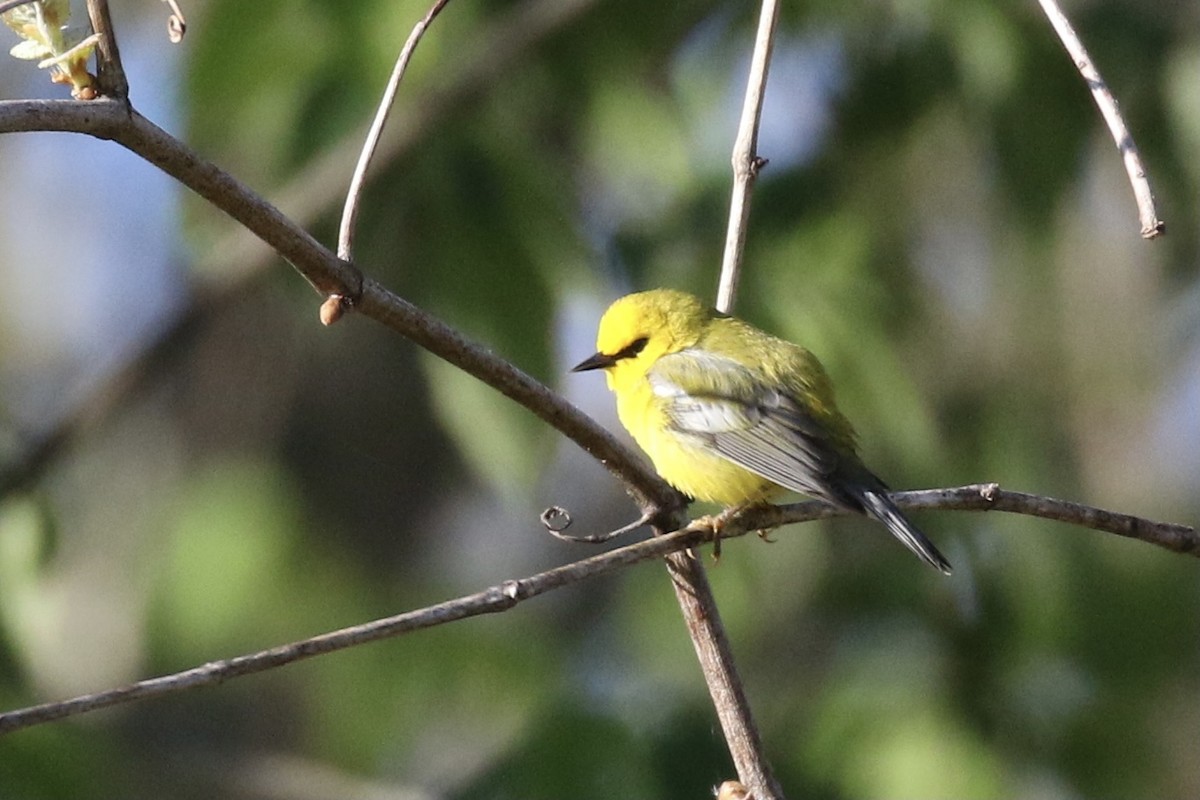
(641, 328)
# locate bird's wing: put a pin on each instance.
(730, 409)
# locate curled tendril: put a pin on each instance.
(556, 519)
(176, 24)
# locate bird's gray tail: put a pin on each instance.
(879, 506)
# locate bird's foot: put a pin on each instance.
(714, 522)
(717, 523)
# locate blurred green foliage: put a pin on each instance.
(944, 221)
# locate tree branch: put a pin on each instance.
(707, 631)
(495, 599)
(110, 73)
(503, 596)
(692, 589)
(1181, 539)
(336, 304)
(317, 189)
(1152, 226)
(746, 161)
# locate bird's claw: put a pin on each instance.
(765, 535)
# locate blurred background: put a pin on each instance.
(944, 221)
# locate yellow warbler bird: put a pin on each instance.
(733, 415)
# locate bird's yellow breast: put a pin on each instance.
(688, 467)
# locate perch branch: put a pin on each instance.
(978, 497)
(1152, 226)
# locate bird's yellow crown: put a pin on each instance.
(640, 328)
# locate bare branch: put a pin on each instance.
(978, 497)
(497, 598)
(110, 73)
(988, 497)
(317, 189)
(1152, 226)
(707, 632)
(692, 589)
(350, 210)
(746, 162)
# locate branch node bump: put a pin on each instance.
(334, 308)
(511, 590)
(732, 790)
(989, 492)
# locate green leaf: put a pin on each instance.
(30, 50)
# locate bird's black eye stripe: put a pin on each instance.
(632, 349)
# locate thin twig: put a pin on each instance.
(556, 519)
(1152, 226)
(353, 196)
(110, 73)
(746, 162)
(990, 497)
(977, 497)
(310, 195)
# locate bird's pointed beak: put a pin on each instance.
(597, 361)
